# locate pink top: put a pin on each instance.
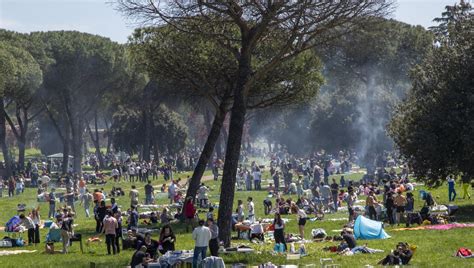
(110, 224)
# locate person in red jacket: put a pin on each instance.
(189, 213)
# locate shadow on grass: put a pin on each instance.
(465, 213)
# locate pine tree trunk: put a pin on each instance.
(3, 141)
(207, 151)
(232, 156)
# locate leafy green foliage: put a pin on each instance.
(168, 129)
(433, 127)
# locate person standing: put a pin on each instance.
(214, 242)
(302, 217)
(276, 181)
(390, 207)
(201, 235)
(240, 211)
(251, 209)
(110, 225)
(189, 213)
(451, 188)
(257, 179)
(82, 187)
(35, 216)
(371, 202)
(30, 226)
(11, 187)
(133, 218)
(279, 232)
(172, 191)
(400, 202)
(52, 203)
(69, 196)
(334, 193)
(350, 200)
(149, 193)
(133, 196)
(99, 216)
(118, 230)
(466, 182)
(66, 230)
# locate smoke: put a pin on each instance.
(374, 103)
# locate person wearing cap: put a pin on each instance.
(201, 235)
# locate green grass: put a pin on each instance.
(29, 153)
(435, 248)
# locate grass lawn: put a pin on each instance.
(435, 248)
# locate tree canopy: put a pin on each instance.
(433, 127)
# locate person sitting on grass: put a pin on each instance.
(400, 256)
(151, 245)
(140, 258)
(167, 239)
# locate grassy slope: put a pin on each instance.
(435, 248)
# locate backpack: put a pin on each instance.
(464, 252)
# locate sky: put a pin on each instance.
(99, 16)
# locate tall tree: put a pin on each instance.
(244, 28)
(433, 127)
(85, 67)
(25, 75)
(22, 108)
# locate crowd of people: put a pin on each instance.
(318, 193)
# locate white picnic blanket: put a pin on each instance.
(14, 252)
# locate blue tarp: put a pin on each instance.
(365, 228)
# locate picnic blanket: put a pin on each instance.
(14, 252)
(440, 227)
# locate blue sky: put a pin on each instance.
(99, 17)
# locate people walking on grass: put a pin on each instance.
(110, 225)
(201, 235)
(451, 188)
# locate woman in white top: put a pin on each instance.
(302, 217)
(35, 217)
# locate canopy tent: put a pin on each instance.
(56, 161)
(365, 228)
